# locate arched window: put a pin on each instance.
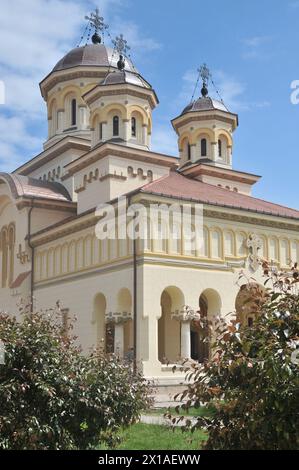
(203, 147)
(189, 151)
(73, 112)
(219, 148)
(133, 127)
(115, 125)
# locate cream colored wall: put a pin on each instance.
(9, 214)
(192, 282)
(58, 104)
(211, 130)
(242, 188)
(78, 295)
(54, 170)
(125, 176)
(125, 106)
(224, 245)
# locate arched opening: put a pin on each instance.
(248, 302)
(73, 112)
(219, 148)
(104, 336)
(203, 147)
(223, 148)
(209, 307)
(124, 303)
(133, 127)
(169, 346)
(200, 333)
(100, 131)
(115, 126)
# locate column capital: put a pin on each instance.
(118, 317)
(185, 314)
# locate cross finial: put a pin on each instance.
(97, 22)
(205, 74)
(121, 45)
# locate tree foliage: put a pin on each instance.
(252, 380)
(54, 397)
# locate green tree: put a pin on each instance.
(252, 380)
(54, 397)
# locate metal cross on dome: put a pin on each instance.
(121, 45)
(204, 73)
(97, 21)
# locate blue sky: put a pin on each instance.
(250, 47)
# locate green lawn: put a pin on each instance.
(154, 437)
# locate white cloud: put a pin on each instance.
(231, 91)
(138, 42)
(164, 139)
(34, 35)
(256, 47)
(14, 141)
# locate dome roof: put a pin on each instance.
(204, 104)
(91, 55)
(122, 76)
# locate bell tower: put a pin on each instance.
(205, 129)
(121, 105)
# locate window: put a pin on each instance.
(133, 127)
(219, 148)
(101, 131)
(74, 112)
(203, 147)
(116, 125)
(189, 151)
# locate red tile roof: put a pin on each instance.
(180, 187)
(24, 186)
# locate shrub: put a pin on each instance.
(252, 381)
(53, 397)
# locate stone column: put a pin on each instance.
(185, 316)
(82, 122)
(127, 130)
(144, 134)
(214, 151)
(118, 319)
(119, 339)
(60, 118)
(193, 152)
(104, 131)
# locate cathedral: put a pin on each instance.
(138, 297)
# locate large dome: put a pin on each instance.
(205, 104)
(92, 55)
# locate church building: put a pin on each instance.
(139, 297)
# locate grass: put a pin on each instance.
(154, 437)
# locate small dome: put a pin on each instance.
(91, 55)
(122, 76)
(205, 104)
